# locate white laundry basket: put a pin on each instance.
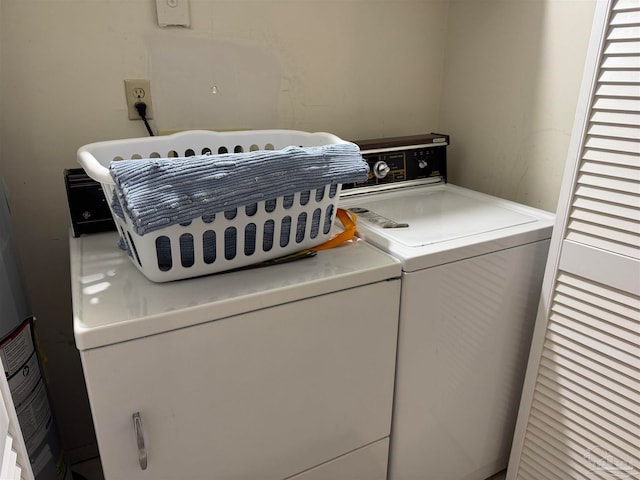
(231, 239)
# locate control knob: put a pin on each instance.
(381, 169)
(422, 163)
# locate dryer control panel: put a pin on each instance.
(399, 161)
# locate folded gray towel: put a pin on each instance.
(156, 193)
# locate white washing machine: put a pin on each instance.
(279, 372)
(472, 273)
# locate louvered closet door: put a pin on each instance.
(580, 413)
(14, 460)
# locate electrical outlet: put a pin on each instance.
(138, 91)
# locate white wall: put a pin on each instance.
(354, 68)
(512, 77)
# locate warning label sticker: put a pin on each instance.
(22, 369)
(17, 349)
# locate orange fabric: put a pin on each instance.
(348, 220)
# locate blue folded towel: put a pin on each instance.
(156, 193)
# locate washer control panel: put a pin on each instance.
(396, 161)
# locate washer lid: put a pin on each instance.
(431, 215)
(446, 223)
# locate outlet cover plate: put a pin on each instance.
(173, 13)
(136, 91)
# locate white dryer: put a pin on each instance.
(472, 273)
(268, 373)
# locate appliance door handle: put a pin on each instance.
(142, 451)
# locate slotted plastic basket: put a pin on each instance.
(226, 240)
